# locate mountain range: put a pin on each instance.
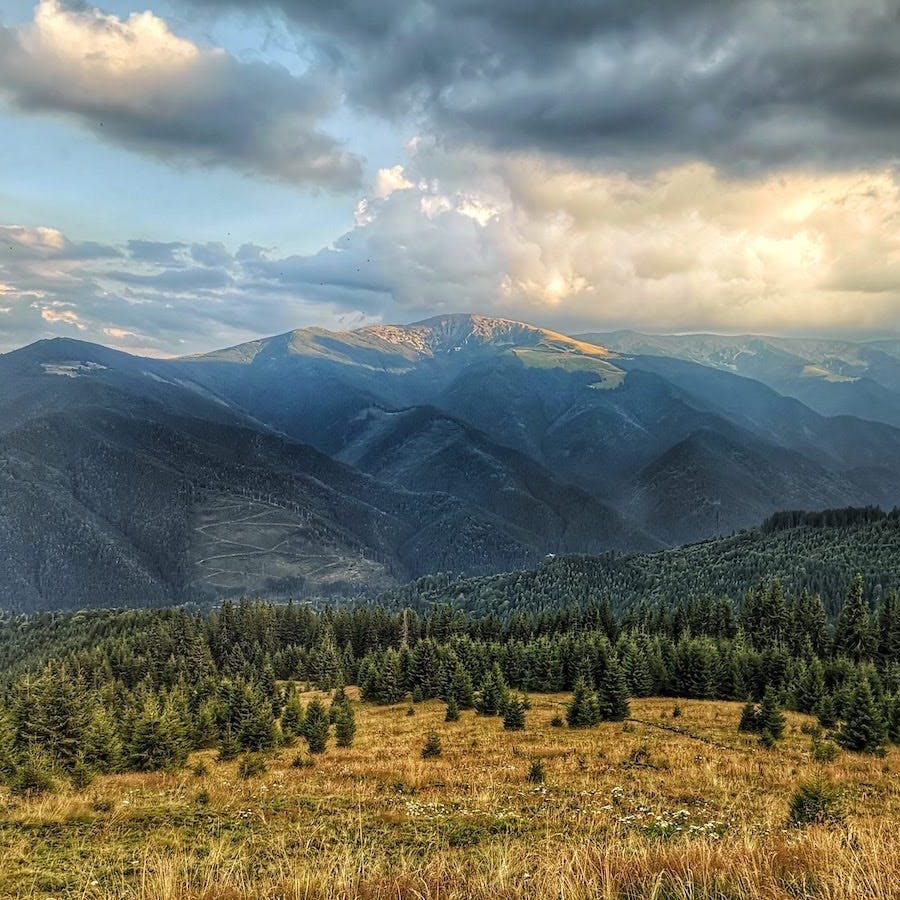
(339, 463)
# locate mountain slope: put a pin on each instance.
(819, 557)
(125, 482)
(589, 417)
(423, 449)
(832, 377)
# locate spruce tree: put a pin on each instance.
(292, 717)
(771, 718)
(863, 729)
(750, 718)
(344, 725)
(461, 688)
(826, 712)
(256, 730)
(452, 714)
(514, 714)
(583, 710)
(101, 747)
(852, 634)
(432, 746)
(316, 726)
(229, 746)
(493, 694)
(612, 694)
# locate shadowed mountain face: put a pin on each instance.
(342, 463)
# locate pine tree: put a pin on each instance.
(493, 695)
(750, 718)
(292, 717)
(452, 714)
(583, 710)
(863, 730)
(344, 725)
(514, 714)
(432, 746)
(612, 694)
(771, 718)
(852, 634)
(316, 726)
(461, 688)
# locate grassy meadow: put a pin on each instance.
(660, 806)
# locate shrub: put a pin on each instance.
(410, 710)
(200, 769)
(81, 776)
(251, 765)
(823, 751)
(432, 746)
(557, 721)
(302, 762)
(816, 802)
(536, 773)
(676, 711)
(34, 775)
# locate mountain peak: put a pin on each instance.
(454, 332)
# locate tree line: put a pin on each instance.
(108, 691)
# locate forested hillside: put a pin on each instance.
(818, 552)
(106, 691)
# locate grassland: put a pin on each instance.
(656, 807)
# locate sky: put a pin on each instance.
(194, 173)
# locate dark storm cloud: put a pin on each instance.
(135, 83)
(742, 83)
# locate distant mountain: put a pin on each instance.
(589, 416)
(320, 462)
(831, 377)
(123, 481)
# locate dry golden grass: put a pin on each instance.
(378, 821)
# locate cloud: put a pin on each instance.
(147, 297)
(743, 84)
(687, 248)
(575, 248)
(135, 83)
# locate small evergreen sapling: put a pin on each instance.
(583, 710)
(432, 746)
(514, 714)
